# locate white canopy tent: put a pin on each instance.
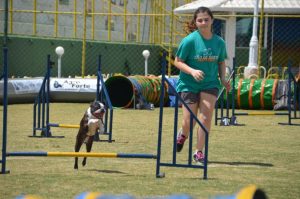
(239, 6)
(245, 6)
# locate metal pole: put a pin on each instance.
(252, 65)
(75, 19)
(56, 19)
(171, 40)
(48, 133)
(5, 79)
(4, 132)
(146, 55)
(289, 92)
(93, 20)
(98, 78)
(146, 67)
(254, 40)
(138, 34)
(83, 41)
(233, 118)
(34, 17)
(59, 67)
(162, 90)
(5, 24)
(260, 34)
(125, 21)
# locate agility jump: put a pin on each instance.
(44, 106)
(173, 163)
(41, 108)
(82, 154)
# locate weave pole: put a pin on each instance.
(81, 154)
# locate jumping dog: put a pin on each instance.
(91, 122)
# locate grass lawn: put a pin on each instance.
(261, 152)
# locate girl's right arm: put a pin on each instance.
(198, 75)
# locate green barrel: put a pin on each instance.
(255, 97)
(254, 93)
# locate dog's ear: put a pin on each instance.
(104, 103)
(95, 103)
(94, 106)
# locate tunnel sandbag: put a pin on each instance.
(172, 95)
(282, 95)
(122, 90)
(173, 81)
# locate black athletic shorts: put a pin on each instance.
(192, 98)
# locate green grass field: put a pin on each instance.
(262, 152)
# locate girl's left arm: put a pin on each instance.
(222, 71)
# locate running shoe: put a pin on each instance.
(198, 156)
(180, 142)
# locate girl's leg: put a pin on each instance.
(185, 129)
(206, 106)
(186, 118)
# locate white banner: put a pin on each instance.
(23, 86)
(73, 85)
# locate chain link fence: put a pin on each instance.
(119, 31)
(280, 44)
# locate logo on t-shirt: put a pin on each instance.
(206, 56)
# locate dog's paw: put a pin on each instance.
(83, 163)
(76, 167)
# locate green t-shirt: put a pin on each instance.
(201, 54)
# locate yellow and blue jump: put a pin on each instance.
(64, 125)
(262, 113)
(82, 154)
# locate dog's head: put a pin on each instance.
(97, 109)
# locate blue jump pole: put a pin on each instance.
(48, 133)
(161, 106)
(5, 79)
(4, 131)
(104, 94)
(41, 105)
